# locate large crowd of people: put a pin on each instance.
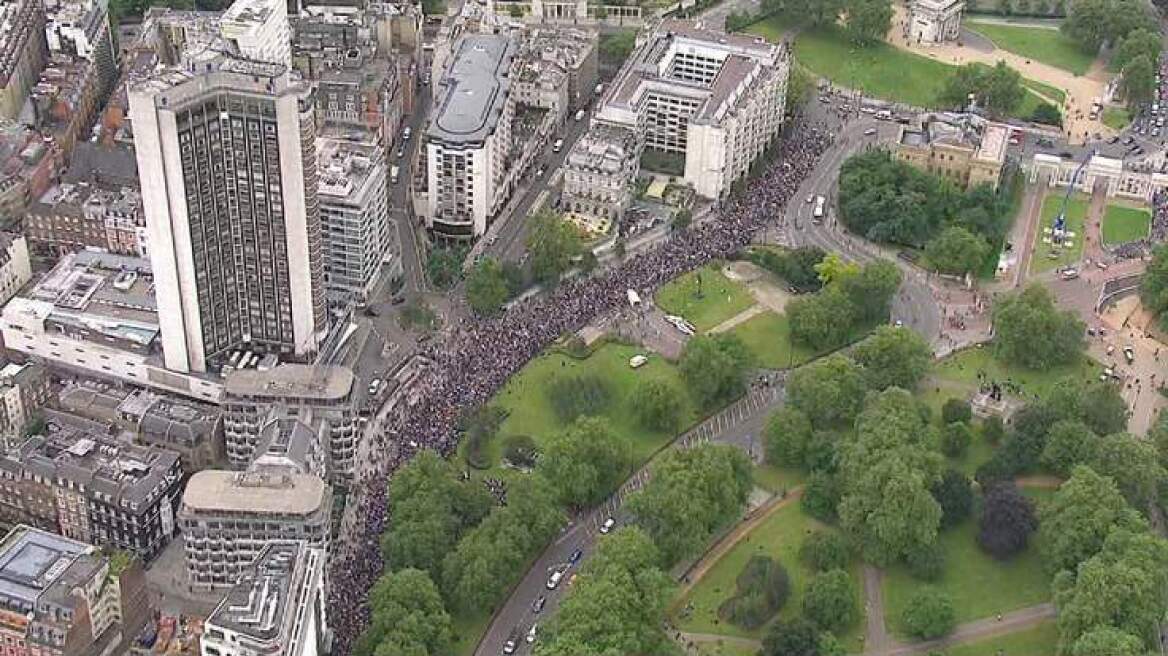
(482, 353)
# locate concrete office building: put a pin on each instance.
(714, 99)
(360, 244)
(96, 313)
(573, 51)
(228, 518)
(24, 390)
(468, 141)
(310, 393)
(62, 597)
(277, 607)
(966, 150)
(226, 153)
(104, 492)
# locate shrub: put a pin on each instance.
(578, 395)
(821, 496)
(955, 439)
(762, 588)
(927, 563)
(519, 450)
(928, 614)
(956, 410)
(824, 550)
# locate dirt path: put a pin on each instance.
(1081, 90)
(1039, 481)
(740, 318)
(876, 635)
(989, 627)
(711, 557)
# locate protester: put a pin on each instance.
(482, 353)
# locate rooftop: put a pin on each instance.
(33, 561)
(158, 416)
(603, 148)
(133, 473)
(291, 381)
(258, 605)
(474, 89)
(347, 160)
(214, 491)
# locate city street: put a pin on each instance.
(739, 424)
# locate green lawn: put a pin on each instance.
(725, 649)
(880, 70)
(962, 367)
(1116, 118)
(768, 336)
(979, 585)
(1040, 640)
(1055, 94)
(1050, 47)
(777, 479)
(1123, 224)
(530, 413)
(778, 537)
(721, 298)
(1041, 259)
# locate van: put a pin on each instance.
(884, 115)
(558, 145)
(406, 133)
(606, 527)
(580, 115)
(554, 581)
(394, 173)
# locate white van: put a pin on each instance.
(580, 115)
(558, 145)
(394, 173)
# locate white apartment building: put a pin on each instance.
(716, 99)
(229, 517)
(468, 142)
(15, 265)
(277, 608)
(360, 244)
(227, 161)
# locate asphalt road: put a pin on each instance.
(915, 306)
(739, 424)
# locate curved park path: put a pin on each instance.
(1081, 90)
(877, 640)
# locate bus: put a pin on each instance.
(820, 207)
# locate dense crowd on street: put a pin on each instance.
(482, 353)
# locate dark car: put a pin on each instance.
(538, 604)
(398, 300)
(576, 556)
(372, 311)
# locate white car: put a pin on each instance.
(531, 633)
(554, 581)
(607, 525)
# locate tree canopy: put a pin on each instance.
(553, 243)
(893, 357)
(714, 368)
(829, 601)
(657, 405)
(1091, 23)
(997, 89)
(928, 614)
(1079, 517)
(1029, 330)
(1007, 519)
(956, 250)
(407, 616)
(1154, 286)
(1133, 463)
(691, 494)
(585, 462)
(796, 266)
(486, 286)
(829, 391)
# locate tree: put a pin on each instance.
(429, 509)
(585, 462)
(761, 590)
(955, 411)
(578, 395)
(893, 357)
(928, 614)
(1029, 330)
(615, 47)
(1124, 586)
(1047, 114)
(714, 368)
(691, 494)
(1138, 84)
(520, 451)
(616, 606)
(795, 637)
(998, 89)
(1108, 641)
(486, 286)
(955, 439)
(444, 266)
(682, 219)
(787, 436)
(1097, 404)
(1154, 286)
(407, 616)
(1006, 521)
(993, 430)
(871, 291)
(868, 20)
(835, 269)
(1069, 443)
(821, 496)
(887, 471)
(1138, 42)
(825, 550)
(1078, 518)
(657, 405)
(822, 321)
(553, 243)
(800, 88)
(797, 267)
(956, 251)
(1134, 465)
(829, 391)
(954, 494)
(829, 601)
(1087, 23)
(490, 558)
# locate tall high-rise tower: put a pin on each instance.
(226, 155)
